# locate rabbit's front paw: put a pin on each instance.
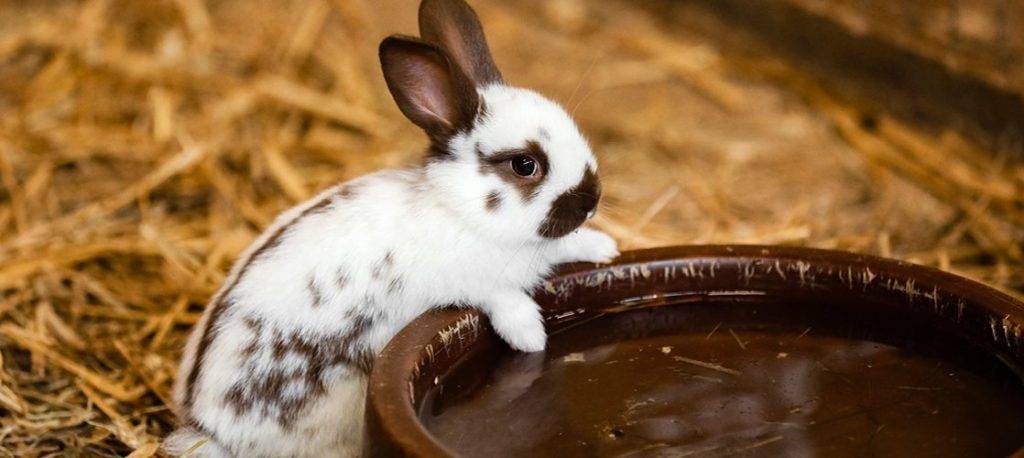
(591, 245)
(526, 337)
(517, 321)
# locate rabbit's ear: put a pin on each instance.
(454, 26)
(430, 91)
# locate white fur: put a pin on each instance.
(447, 249)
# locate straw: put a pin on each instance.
(144, 145)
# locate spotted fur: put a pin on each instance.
(278, 364)
(497, 164)
(492, 201)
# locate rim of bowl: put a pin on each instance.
(391, 399)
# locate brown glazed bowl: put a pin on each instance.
(445, 358)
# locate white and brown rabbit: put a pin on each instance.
(278, 364)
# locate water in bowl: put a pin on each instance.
(717, 383)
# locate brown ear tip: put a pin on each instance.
(407, 43)
(425, 7)
(445, 9)
(425, 4)
(393, 41)
(386, 44)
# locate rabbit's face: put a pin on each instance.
(522, 171)
(506, 161)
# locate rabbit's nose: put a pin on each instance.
(587, 205)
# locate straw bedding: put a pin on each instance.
(144, 143)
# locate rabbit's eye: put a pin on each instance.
(524, 166)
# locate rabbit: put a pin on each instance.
(278, 363)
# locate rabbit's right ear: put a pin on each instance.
(455, 27)
(432, 92)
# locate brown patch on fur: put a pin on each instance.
(341, 278)
(347, 191)
(223, 301)
(571, 209)
(498, 165)
(319, 207)
(314, 293)
(265, 388)
(395, 285)
(255, 326)
(383, 266)
(438, 151)
(279, 346)
(492, 201)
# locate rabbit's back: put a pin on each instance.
(287, 344)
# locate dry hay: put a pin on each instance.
(144, 143)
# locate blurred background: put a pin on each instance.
(145, 143)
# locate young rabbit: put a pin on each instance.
(278, 364)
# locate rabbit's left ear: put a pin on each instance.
(430, 91)
(453, 26)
